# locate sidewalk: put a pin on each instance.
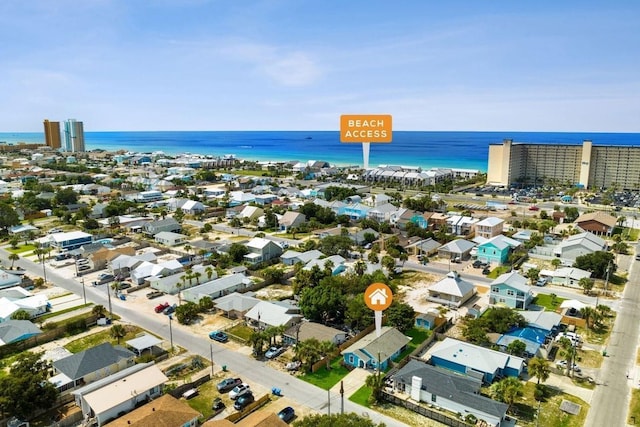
(352, 382)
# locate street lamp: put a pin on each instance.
(170, 332)
(84, 292)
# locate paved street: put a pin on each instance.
(250, 369)
(611, 398)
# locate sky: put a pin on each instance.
(118, 65)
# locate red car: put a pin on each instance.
(160, 307)
(534, 208)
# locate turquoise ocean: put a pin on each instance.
(467, 150)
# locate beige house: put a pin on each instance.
(489, 227)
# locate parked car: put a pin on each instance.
(486, 271)
(477, 264)
(170, 310)
(228, 384)
(124, 285)
(161, 307)
(82, 261)
(562, 364)
(104, 278)
(154, 294)
(239, 390)
(243, 401)
(219, 336)
(542, 281)
(84, 267)
(273, 352)
(534, 208)
(293, 366)
(61, 257)
(287, 414)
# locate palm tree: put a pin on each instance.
(327, 349)
(376, 383)
(568, 352)
(307, 352)
(97, 310)
(209, 272)
(539, 368)
(197, 275)
(13, 257)
(508, 390)
(117, 331)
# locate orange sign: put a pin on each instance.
(365, 128)
(378, 296)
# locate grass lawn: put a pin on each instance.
(241, 331)
(550, 302)
(550, 413)
(21, 249)
(361, 396)
(634, 407)
(103, 336)
(326, 379)
(418, 336)
(493, 274)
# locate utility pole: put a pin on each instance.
(84, 292)
(171, 332)
(606, 281)
(329, 402)
(341, 397)
(211, 356)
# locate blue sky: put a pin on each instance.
(299, 65)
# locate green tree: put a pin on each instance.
(21, 314)
(598, 262)
(13, 257)
(65, 196)
(322, 303)
(400, 315)
(507, 390)
(257, 340)
(187, 312)
(237, 252)
(375, 382)
(389, 263)
(358, 315)
(117, 332)
(567, 352)
(336, 245)
(205, 303)
(533, 274)
(8, 217)
(327, 349)
(335, 420)
(586, 284)
(556, 262)
(539, 368)
(97, 310)
(516, 347)
(25, 390)
(308, 352)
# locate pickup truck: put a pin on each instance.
(228, 384)
(161, 307)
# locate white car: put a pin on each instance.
(239, 390)
(562, 364)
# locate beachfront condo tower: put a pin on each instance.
(52, 134)
(586, 165)
(73, 136)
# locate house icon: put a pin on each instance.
(378, 297)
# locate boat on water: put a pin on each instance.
(308, 137)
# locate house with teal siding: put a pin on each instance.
(511, 290)
(496, 250)
(372, 351)
(475, 361)
(355, 211)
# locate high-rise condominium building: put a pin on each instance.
(587, 165)
(73, 136)
(52, 133)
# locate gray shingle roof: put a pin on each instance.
(455, 387)
(91, 360)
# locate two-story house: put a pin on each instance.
(167, 224)
(261, 250)
(489, 227)
(497, 249)
(511, 290)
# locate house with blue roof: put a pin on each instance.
(497, 249)
(511, 290)
(533, 339)
(355, 211)
(475, 361)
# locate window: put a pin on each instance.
(510, 292)
(502, 300)
(495, 290)
(433, 397)
(351, 359)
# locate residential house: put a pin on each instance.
(110, 397)
(497, 249)
(90, 365)
(17, 330)
(382, 213)
(122, 265)
(428, 320)
(569, 276)
(522, 236)
(475, 361)
(489, 227)
(155, 227)
(67, 241)
(236, 305)
(173, 283)
(360, 237)
(101, 258)
(292, 257)
(291, 219)
(461, 225)
(9, 280)
(191, 207)
(459, 248)
(306, 330)
(267, 314)
(355, 212)
(373, 351)
(335, 261)
(149, 269)
(420, 219)
(264, 199)
(237, 198)
(217, 288)
(599, 223)
(511, 290)
(426, 247)
(251, 213)
(452, 291)
(169, 238)
(34, 305)
(261, 250)
(458, 394)
(579, 244)
(163, 411)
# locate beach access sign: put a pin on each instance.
(365, 128)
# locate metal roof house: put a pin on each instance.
(372, 351)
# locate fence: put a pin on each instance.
(179, 390)
(236, 416)
(424, 411)
(322, 362)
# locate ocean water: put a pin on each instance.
(467, 150)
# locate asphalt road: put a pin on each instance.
(249, 369)
(610, 403)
